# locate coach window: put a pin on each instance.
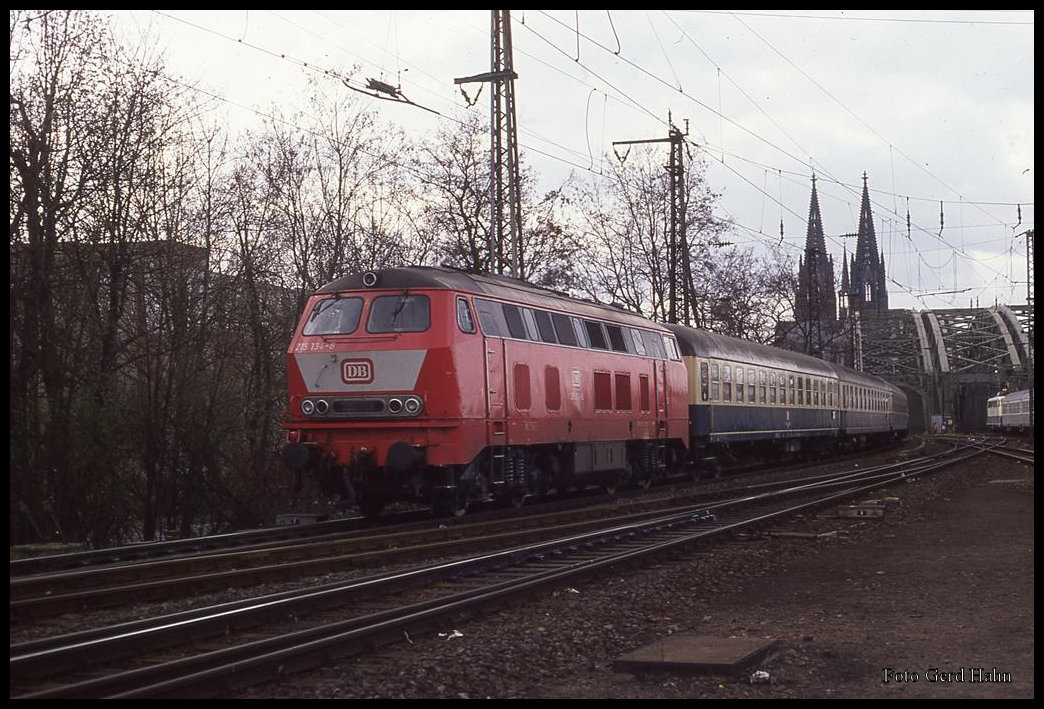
(808, 391)
(751, 381)
(790, 389)
(399, 313)
(464, 320)
(801, 391)
(761, 386)
(714, 381)
(772, 387)
(815, 392)
(739, 383)
(703, 381)
(726, 382)
(596, 335)
(544, 326)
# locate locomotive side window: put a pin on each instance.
(334, 316)
(616, 338)
(671, 347)
(531, 326)
(654, 345)
(513, 318)
(638, 342)
(547, 330)
(491, 318)
(643, 391)
(595, 335)
(564, 329)
(399, 313)
(464, 320)
(580, 331)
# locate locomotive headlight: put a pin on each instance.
(322, 406)
(307, 407)
(394, 405)
(413, 405)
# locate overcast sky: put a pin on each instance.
(936, 107)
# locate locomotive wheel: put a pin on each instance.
(518, 498)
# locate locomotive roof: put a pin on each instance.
(491, 285)
(708, 344)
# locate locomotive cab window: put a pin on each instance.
(399, 313)
(464, 320)
(334, 316)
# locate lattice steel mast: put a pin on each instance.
(505, 188)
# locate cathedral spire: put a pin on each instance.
(868, 284)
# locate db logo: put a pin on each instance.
(356, 371)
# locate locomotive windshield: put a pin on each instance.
(399, 313)
(334, 316)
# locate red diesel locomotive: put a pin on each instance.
(443, 387)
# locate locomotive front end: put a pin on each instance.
(374, 399)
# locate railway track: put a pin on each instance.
(240, 561)
(407, 601)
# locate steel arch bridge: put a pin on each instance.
(955, 359)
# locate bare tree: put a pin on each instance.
(625, 218)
